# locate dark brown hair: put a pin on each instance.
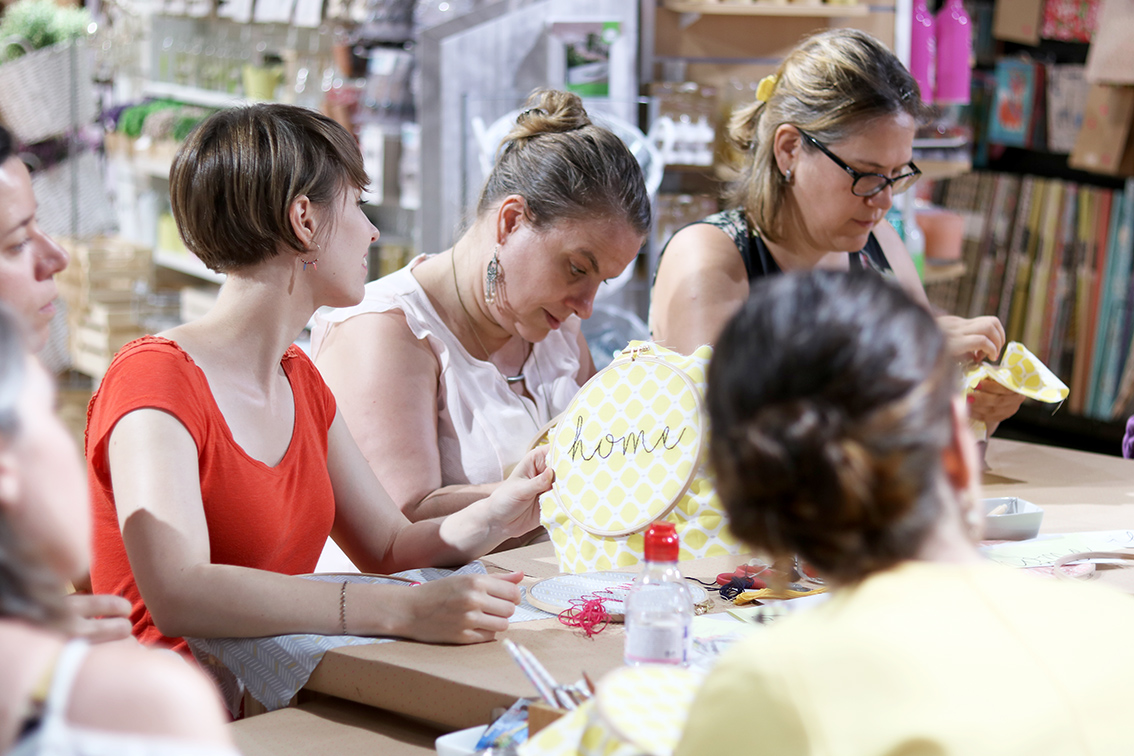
(234, 179)
(566, 168)
(29, 590)
(5, 144)
(832, 86)
(830, 403)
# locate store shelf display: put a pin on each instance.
(817, 8)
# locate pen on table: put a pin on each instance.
(564, 700)
(546, 693)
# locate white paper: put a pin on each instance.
(274, 11)
(199, 8)
(309, 13)
(239, 11)
(1047, 550)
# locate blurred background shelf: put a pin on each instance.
(187, 264)
(796, 10)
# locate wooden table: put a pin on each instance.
(1078, 490)
(453, 687)
(332, 728)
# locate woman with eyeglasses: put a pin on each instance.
(824, 149)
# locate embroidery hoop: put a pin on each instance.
(1088, 556)
(561, 442)
(555, 594)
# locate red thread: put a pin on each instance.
(588, 612)
(589, 615)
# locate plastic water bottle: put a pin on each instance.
(659, 609)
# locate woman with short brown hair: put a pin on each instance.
(217, 457)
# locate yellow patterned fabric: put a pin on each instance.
(1022, 372)
(638, 710)
(628, 451)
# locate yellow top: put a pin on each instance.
(930, 659)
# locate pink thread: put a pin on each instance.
(588, 612)
(588, 615)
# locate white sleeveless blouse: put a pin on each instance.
(483, 427)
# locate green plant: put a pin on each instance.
(40, 23)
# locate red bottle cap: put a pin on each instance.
(661, 542)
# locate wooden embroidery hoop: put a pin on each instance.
(1088, 556)
(636, 355)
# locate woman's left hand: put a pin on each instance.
(991, 403)
(973, 339)
(98, 617)
(513, 508)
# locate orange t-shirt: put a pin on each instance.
(267, 518)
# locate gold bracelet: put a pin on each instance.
(342, 608)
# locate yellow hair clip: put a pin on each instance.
(765, 88)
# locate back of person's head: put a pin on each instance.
(235, 178)
(6, 145)
(830, 403)
(29, 589)
(566, 168)
(833, 85)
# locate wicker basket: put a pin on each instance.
(74, 182)
(38, 89)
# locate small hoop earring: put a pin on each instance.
(493, 277)
(312, 263)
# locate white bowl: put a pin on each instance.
(1018, 519)
(461, 742)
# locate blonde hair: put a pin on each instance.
(831, 86)
(566, 168)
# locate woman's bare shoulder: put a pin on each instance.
(700, 246)
(373, 336)
(123, 687)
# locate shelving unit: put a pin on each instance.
(728, 47)
(193, 95)
(941, 273)
(187, 264)
(1045, 311)
(200, 61)
(796, 10)
(943, 169)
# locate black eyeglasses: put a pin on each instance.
(867, 184)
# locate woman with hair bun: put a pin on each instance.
(840, 436)
(450, 367)
(823, 150)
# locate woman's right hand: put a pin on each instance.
(458, 609)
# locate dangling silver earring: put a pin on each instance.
(493, 276)
(786, 177)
